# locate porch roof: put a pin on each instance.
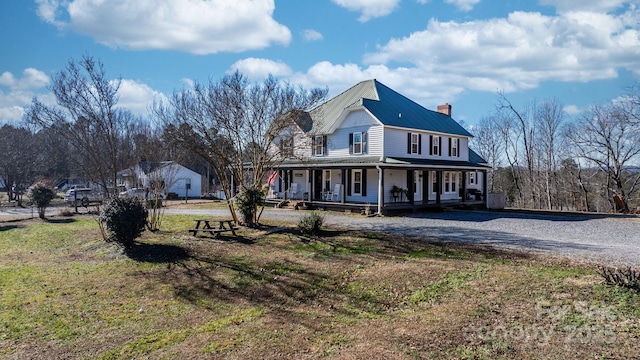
(384, 162)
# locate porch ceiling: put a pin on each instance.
(383, 162)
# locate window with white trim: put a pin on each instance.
(357, 182)
(435, 146)
(318, 145)
(450, 182)
(472, 178)
(434, 182)
(447, 183)
(357, 143)
(415, 142)
(454, 147)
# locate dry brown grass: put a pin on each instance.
(276, 294)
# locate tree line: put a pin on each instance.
(541, 159)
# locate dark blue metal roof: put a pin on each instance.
(394, 109)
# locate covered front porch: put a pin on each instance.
(380, 187)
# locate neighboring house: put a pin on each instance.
(371, 145)
(168, 175)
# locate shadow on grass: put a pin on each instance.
(156, 253)
(60, 221)
(9, 227)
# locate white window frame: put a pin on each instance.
(454, 147)
(435, 147)
(450, 182)
(472, 178)
(357, 190)
(415, 143)
(434, 182)
(318, 142)
(357, 145)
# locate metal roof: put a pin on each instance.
(388, 106)
(475, 162)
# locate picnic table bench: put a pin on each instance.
(214, 227)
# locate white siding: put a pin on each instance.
(359, 121)
(395, 145)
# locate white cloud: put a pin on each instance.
(520, 51)
(137, 97)
(194, 26)
(369, 9)
(17, 92)
(572, 110)
(311, 35)
(463, 5)
(255, 68)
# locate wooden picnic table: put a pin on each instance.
(214, 227)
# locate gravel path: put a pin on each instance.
(614, 239)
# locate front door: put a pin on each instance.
(317, 185)
(417, 186)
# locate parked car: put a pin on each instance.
(82, 196)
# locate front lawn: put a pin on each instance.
(271, 293)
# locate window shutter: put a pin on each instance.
(324, 145)
(430, 144)
(363, 180)
(313, 146)
(349, 184)
(439, 145)
(419, 143)
(409, 143)
(458, 147)
(450, 143)
(351, 143)
(364, 142)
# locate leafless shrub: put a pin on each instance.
(627, 277)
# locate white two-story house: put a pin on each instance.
(372, 145)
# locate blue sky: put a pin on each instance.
(581, 52)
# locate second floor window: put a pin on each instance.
(319, 145)
(415, 143)
(286, 147)
(454, 147)
(435, 145)
(357, 143)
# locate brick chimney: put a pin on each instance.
(445, 109)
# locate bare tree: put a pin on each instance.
(235, 124)
(20, 157)
(87, 117)
(521, 138)
(549, 118)
(490, 146)
(609, 138)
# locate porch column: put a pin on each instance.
(439, 185)
(309, 185)
(380, 190)
(343, 180)
(425, 186)
(463, 186)
(485, 188)
(410, 186)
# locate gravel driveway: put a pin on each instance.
(613, 239)
(610, 239)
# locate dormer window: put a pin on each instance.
(357, 143)
(286, 147)
(319, 145)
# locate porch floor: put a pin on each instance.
(399, 206)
